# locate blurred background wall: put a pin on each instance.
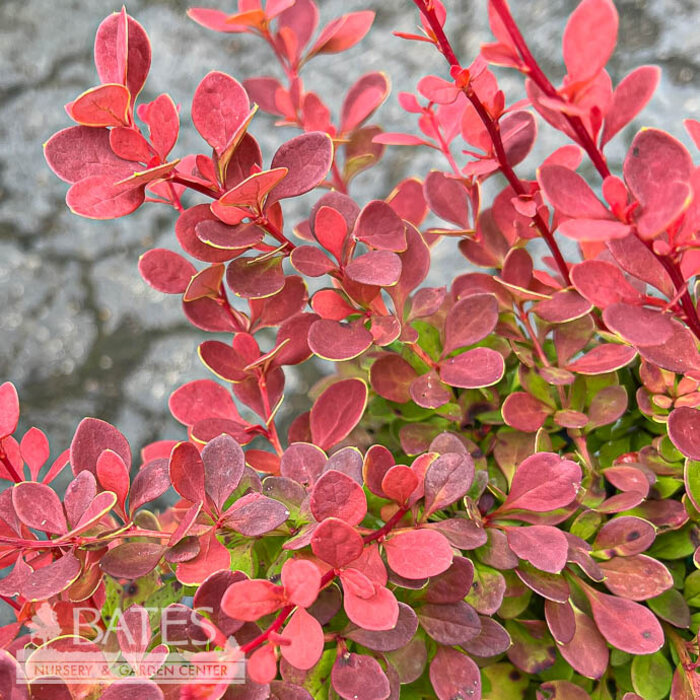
(80, 332)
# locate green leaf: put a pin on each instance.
(169, 593)
(505, 681)
(673, 545)
(651, 676)
(317, 680)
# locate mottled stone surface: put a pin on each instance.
(80, 333)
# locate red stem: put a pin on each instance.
(493, 129)
(388, 526)
(543, 83)
(9, 466)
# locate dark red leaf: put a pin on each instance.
(378, 267)
(187, 472)
(132, 559)
(52, 579)
(454, 675)
(166, 270)
(638, 325)
(337, 411)
(93, 437)
(543, 482)
(380, 227)
(308, 159)
(603, 358)
(473, 369)
(684, 431)
(470, 320)
(224, 463)
(447, 480)
(356, 675)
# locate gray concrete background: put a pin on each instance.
(80, 333)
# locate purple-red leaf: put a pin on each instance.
(308, 159)
(454, 675)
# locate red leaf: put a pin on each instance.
(9, 409)
(330, 228)
(52, 579)
(635, 258)
(97, 197)
(166, 270)
(132, 559)
(337, 411)
(359, 676)
(224, 463)
(470, 320)
(311, 261)
(543, 482)
(38, 507)
(255, 278)
(473, 369)
(565, 305)
(187, 472)
(684, 431)
(586, 651)
(594, 230)
(417, 554)
(80, 152)
(570, 194)
(306, 637)
(638, 325)
(607, 357)
(123, 62)
(518, 131)
(637, 577)
(251, 600)
(376, 612)
(301, 580)
(379, 226)
(447, 479)
(105, 105)
(163, 121)
(336, 542)
(657, 170)
(34, 448)
(602, 283)
(219, 107)
(254, 515)
(626, 625)
(113, 475)
(342, 33)
(336, 495)
(454, 675)
(378, 267)
(200, 399)
(543, 546)
(625, 536)
(362, 99)
(262, 665)
(630, 97)
(212, 557)
(399, 483)
(308, 159)
(391, 377)
(589, 38)
(429, 392)
(523, 411)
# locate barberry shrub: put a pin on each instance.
(496, 495)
